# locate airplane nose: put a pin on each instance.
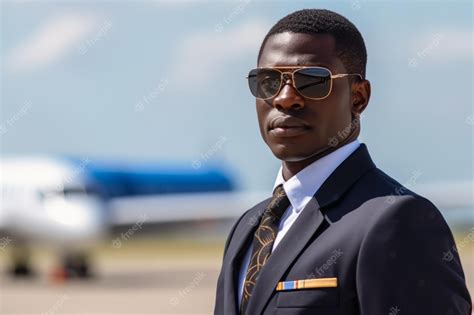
(75, 220)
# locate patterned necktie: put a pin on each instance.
(263, 240)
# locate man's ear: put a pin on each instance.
(360, 96)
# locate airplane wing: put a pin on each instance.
(182, 207)
(168, 192)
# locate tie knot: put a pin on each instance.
(279, 202)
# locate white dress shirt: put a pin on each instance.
(300, 189)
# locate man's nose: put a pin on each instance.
(288, 98)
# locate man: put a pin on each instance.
(338, 236)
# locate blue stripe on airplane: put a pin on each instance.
(123, 179)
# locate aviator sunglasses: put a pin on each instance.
(311, 82)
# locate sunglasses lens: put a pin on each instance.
(264, 83)
(313, 82)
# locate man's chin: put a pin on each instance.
(288, 154)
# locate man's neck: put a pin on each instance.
(291, 168)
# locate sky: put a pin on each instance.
(165, 81)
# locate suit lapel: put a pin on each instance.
(243, 235)
(345, 175)
(290, 246)
(308, 222)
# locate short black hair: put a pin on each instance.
(350, 46)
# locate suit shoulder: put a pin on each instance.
(411, 213)
(413, 205)
(377, 183)
(386, 200)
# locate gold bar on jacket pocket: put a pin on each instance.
(307, 284)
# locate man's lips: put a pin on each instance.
(282, 126)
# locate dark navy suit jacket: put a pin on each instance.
(389, 248)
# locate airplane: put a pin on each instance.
(71, 204)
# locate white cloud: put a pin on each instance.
(50, 42)
(457, 44)
(201, 56)
(448, 46)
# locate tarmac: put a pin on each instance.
(142, 276)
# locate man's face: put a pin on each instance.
(305, 126)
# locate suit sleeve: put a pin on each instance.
(408, 263)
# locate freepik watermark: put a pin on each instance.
(117, 242)
(147, 99)
(468, 239)
(344, 133)
(257, 217)
(4, 242)
(470, 120)
(198, 277)
(425, 52)
(394, 310)
(56, 306)
(399, 191)
(449, 256)
(17, 116)
(356, 4)
(238, 10)
(84, 47)
(332, 260)
(196, 164)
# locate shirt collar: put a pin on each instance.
(301, 187)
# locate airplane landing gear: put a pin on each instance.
(21, 261)
(77, 265)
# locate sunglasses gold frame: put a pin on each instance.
(292, 73)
